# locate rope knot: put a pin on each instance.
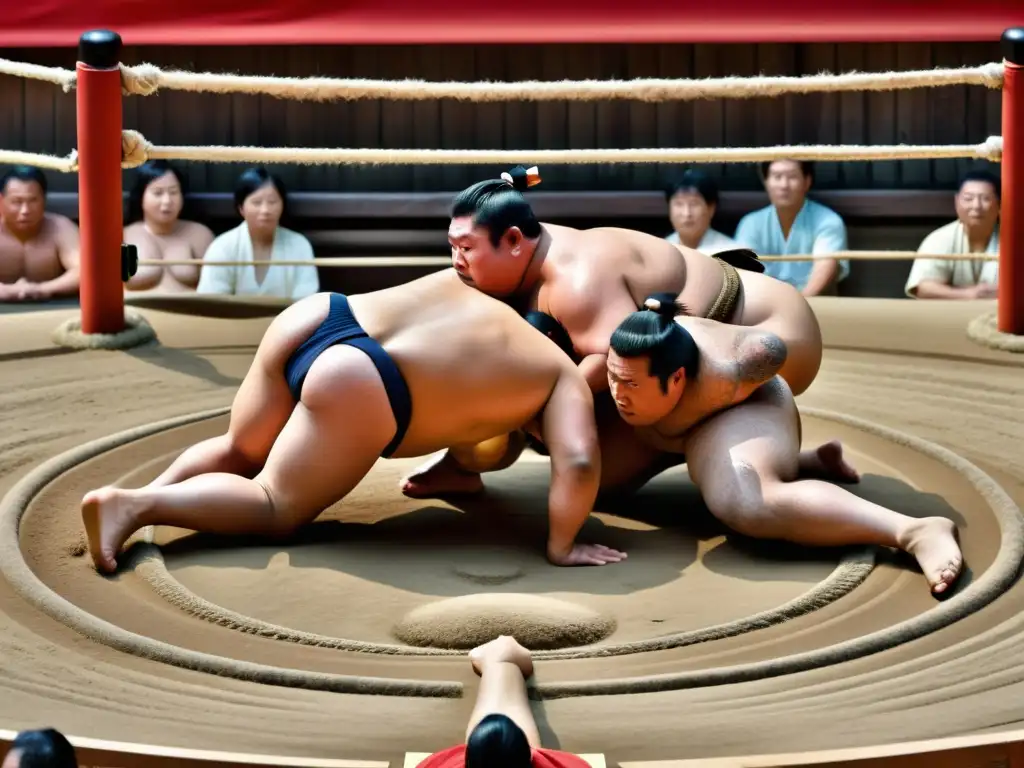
(992, 74)
(141, 80)
(991, 149)
(134, 149)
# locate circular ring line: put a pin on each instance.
(992, 583)
(33, 590)
(847, 576)
(975, 596)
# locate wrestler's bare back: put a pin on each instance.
(594, 278)
(37, 260)
(475, 369)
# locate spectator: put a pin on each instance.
(156, 228)
(502, 732)
(975, 230)
(692, 202)
(262, 201)
(793, 224)
(38, 250)
(45, 748)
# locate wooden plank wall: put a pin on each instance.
(40, 117)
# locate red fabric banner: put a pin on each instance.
(254, 22)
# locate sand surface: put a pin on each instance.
(904, 366)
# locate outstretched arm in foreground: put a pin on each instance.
(570, 433)
(503, 665)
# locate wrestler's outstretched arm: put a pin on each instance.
(503, 665)
(570, 434)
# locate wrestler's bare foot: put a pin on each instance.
(110, 516)
(439, 477)
(502, 649)
(932, 542)
(827, 462)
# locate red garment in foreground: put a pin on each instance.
(455, 757)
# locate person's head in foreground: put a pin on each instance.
(43, 748)
(494, 232)
(692, 201)
(977, 202)
(262, 200)
(157, 197)
(497, 742)
(23, 199)
(649, 360)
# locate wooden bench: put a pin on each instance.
(415, 223)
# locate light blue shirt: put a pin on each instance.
(816, 230)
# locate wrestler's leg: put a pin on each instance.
(329, 443)
(261, 406)
(458, 469)
(826, 462)
(626, 462)
(745, 463)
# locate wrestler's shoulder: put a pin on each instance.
(58, 221)
(194, 228)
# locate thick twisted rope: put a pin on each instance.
(56, 75)
(67, 164)
(443, 261)
(136, 150)
(147, 79)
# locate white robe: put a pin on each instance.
(817, 230)
(951, 238)
(285, 282)
(713, 242)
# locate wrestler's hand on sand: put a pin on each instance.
(587, 554)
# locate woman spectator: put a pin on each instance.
(155, 227)
(262, 201)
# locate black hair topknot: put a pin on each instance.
(652, 332)
(499, 204)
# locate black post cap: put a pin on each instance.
(100, 49)
(1013, 45)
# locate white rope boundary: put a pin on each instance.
(136, 150)
(148, 79)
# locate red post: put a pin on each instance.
(1011, 217)
(100, 197)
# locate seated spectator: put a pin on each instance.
(502, 731)
(692, 201)
(975, 230)
(45, 748)
(262, 201)
(155, 205)
(38, 250)
(793, 224)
